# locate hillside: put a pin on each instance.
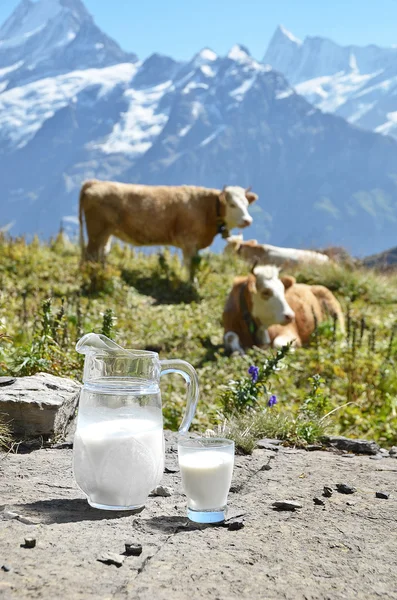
(90, 110)
(154, 308)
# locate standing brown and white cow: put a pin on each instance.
(187, 217)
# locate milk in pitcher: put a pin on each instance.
(119, 452)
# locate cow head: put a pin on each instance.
(236, 200)
(267, 289)
(233, 242)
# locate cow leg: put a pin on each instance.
(191, 260)
(232, 343)
(262, 336)
(96, 247)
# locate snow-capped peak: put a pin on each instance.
(53, 36)
(239, 53)
(281, 29)
(207, 55)
(31, 17)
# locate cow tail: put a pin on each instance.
(81, 220)
(83, 190)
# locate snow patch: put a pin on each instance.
(139, 125)
(11, 68)
(194, 86)
(239, 92)
(208, 55)
(290, 35)
(390, 125)
(184, 130)
(238, 54)
(207, 71)
(284, 94)
(330, 92)
(23, 110)
(211, 137)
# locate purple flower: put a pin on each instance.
(272, 401)
(254, 372)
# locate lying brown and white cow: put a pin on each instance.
(186, 216)
(265, 309)
(265, 254)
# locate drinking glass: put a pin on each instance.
(206, 466)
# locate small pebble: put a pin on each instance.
(350, 503)
(236, 525)
(5, 568)
(377, 457)
(383, 495)
(313, 447)
(393, 451)
(29, 543)
(286, 505)
(111, 558)
(327, 491)
(343, 488)
(318, 501)
(162, 490)
(171, 470)
(133, 549)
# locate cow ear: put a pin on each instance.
(222, 195)
(251, 197)
(288, 281)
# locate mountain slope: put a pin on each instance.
(210, 121)
(357, 83)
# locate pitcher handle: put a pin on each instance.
(190, 376)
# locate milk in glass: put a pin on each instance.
(206, 477)
(119, 445)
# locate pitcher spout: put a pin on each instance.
(96, 342)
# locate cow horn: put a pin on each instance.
(254, 264)
(248, 189)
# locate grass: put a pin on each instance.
(47, 302)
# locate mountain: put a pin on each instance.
(385, 261)
(354, 82)
(49, 37)
(213, 120)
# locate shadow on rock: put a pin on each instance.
(173, 524)
(68, 510)
(164, 290)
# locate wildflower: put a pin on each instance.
(272, 401)
(254, 372)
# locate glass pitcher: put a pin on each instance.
(118, 450)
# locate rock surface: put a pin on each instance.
(351, 445)
(335, 552)
(31, 403)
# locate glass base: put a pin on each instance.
(207, 516)
(107, 507)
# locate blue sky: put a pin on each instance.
(182, 27)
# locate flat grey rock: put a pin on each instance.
(278, 554)
(31, 403)
(111, 558)
(382, 495)
(343, 488)
(162, 490)
(351, 445)
(286, 505)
